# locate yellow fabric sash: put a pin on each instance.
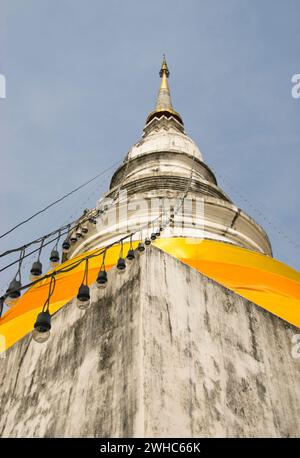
(257, 277)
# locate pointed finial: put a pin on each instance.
(163, 102)
(164, 68)
(164, 96)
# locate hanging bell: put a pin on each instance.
(13, 289)
(102, 279)
(153, 236)
(42, 327)
(66, 246)
(84, 229)
(147, 241)
(130, 255)
(121, 265)
(92, 220)
(83, 297)
(141, 247)
(36, 269)
(157, 233)
(73, 238)
(78, 233)
(54, 257)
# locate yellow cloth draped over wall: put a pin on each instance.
(257, 277)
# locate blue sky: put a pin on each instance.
(83, 75)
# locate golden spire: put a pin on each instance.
(164, 97)
(164, 103)
(164, 74)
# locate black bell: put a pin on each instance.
(36, 269)
(83, 293)
(141, 247)
(147, 241)
(84, 229)
(43, 322)
(161, 229)
(153, 236)
(121, 265)
(54, 256)
(42, 327)
(130, 255)
(73, 238)
(66, 245)
(78, 233)
(102, 279)
(13, 289)
(157, 233)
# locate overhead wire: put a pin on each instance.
(56, 201)
(38, 240)
(101, 251)
(116, 192)
(259, 212)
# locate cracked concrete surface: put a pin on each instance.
(162, 352)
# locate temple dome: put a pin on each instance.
(165, 166)
(169, 140)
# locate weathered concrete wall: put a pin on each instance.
(163, 351)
